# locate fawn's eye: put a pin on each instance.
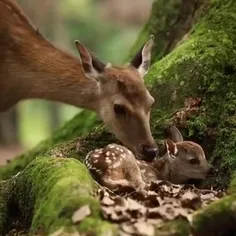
(194, 161)
(119, 109)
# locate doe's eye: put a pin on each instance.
(194, 161)
(119, 109)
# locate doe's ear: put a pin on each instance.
(173, 134)
(171, 147)
(142, 59)
(92, 66)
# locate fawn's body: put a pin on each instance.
(115, 165)
(31, 67)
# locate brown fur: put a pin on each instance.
(31, 67)
(114, 165)
(178, 168)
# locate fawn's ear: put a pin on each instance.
(142, 59)
(92, 66)
(171, 147)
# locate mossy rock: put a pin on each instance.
(46, 194)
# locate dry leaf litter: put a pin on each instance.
(139, 214)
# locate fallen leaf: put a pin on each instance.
(81, 213)
(139, 215)
(144, 228)
(191, 200)
(107, 201)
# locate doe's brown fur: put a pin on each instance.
(31, 67)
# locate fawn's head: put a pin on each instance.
(124, 101)
(187, 159)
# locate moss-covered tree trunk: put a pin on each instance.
(194, 87)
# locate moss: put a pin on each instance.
(177, 227)
(216, 219)
(5, 190)
(204, 66)
(48, 192)
(91, 225)
(232, 186)
(158, 24)
(169, 22)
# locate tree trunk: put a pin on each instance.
(195, 89)
(169, 22)
(9, 128)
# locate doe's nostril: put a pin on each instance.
(149, 152)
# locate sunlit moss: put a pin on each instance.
(47, 193)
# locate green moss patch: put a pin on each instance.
(46, 195)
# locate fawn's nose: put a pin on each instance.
(149, 152)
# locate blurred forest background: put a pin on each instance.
(107, 27)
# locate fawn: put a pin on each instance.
(115, 165)
(183, 162)
(31, 67)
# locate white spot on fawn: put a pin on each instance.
(108, 153)
(96, 155)
(117, 164)
(122, 155)
(129, 152)
(143, 171)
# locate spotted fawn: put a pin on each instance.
(115, 165)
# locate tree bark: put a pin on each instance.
(195, 88)
(169, 22)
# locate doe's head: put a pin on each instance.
(124, 101)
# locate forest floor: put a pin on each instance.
(138, 214)
(9, 152)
